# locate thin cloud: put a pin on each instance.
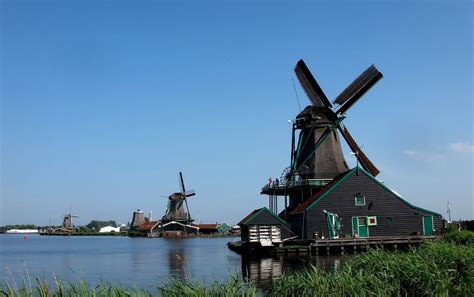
(428, 157)
(461, 147)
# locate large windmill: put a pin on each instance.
(317, 153)
(320, 192)
(178, 209)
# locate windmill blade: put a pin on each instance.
(357, 88)
(310, 85)
(363, 159)
(189, 193)
(181, 182)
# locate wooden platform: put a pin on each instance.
(331, 246)
(354, 245)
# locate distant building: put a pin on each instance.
(22, 231)
(109, 229)
(137, 219)
(175, 226)
(213, 228)
(149, 227)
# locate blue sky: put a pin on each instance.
(104, 102)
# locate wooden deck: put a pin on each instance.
(353, 245)
(329, 246)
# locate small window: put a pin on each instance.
(362, 221)
(372, 221)
(359, 200)
(390, 220)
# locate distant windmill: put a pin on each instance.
(178, 209)
(67, 221)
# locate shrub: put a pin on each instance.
(460, 237)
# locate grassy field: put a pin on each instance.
(443, 268)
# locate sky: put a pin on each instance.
(104, 102)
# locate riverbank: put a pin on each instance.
(132, 234)
(442, 268)
(84, 234)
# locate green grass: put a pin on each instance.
(434, 269)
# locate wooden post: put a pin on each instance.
(276, 204)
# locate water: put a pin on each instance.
(138, 261)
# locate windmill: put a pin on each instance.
(67, 221)
(317, 154)
(178, 209)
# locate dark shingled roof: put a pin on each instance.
(248, 216)
(315, 197)
(147, 226)
(256, 212)
(329, 187)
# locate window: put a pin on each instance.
(390, 220)
(372, 221)
(359, 200)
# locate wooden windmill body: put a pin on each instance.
(178, 209)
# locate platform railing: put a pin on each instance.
(296, 183)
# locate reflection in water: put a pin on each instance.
(178, 264)
(140, 262)
(262, 271)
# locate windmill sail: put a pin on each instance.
(310, 85)
(357, 88)
(363, 159)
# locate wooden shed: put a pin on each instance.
(361, 206)
(264, 227)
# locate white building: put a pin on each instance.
(109, 229)
(22, 231)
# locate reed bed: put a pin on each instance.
(434, 269)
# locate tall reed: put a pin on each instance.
(435, 269)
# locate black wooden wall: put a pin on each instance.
(405, 219)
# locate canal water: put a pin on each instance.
(140, 262)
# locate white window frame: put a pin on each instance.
(355, 200)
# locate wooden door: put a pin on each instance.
(359, 226)
(428, 225)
